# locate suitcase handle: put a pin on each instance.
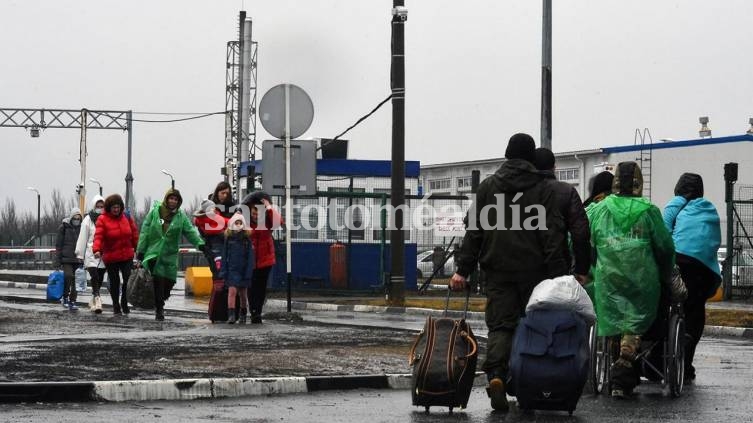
(412, 353)
(471, 341)
(467, 299)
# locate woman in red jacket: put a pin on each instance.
(264, 248)
(115, 240)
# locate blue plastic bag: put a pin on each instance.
(55, 285)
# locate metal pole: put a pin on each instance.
(244, 95)
(546, 77)
(82, 160)
(129, 200)
(239, 135)
(350, 233)
(396, 289)
(730, 176)
(288, 202)
(39, 210)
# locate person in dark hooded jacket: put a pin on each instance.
(697, 234)
(601, 186)
(158, 245)
(571, 208)
(65, 247)
(516, 232)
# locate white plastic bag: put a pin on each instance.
(562, 293)
(80, 276)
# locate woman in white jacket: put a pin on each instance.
(94, 266)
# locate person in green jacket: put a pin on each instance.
(634, 257)
(157, 250)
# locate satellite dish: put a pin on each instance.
(272, 111)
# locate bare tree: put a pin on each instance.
(9, 225)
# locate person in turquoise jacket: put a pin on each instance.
(157, 250)
(696, 231)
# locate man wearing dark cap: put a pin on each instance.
(514, 256)
(571, 208)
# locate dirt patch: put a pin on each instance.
(56, 346)
(735, 318)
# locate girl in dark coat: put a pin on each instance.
(237, 266)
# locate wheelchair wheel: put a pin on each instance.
(675, 357)
(600, 362)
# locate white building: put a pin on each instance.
(662, 164)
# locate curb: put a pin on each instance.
(189, 389)
(415, 311)
(43, 286)
(728, 331)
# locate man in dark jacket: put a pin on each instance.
(515, 231)
(573, 213)
(65, 247)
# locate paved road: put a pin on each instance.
(722, 393)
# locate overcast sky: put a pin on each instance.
(473, 78)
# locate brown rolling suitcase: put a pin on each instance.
(444, 358)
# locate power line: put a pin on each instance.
(357, 122)
(172, 113)
(178, 120)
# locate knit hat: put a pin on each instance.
(521, 146)
(231, 224)
(544, 159)
(629, 180)
(75, 211)
(205, 206)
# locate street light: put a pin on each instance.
(98, 183)
(38, 208)
(172, 179)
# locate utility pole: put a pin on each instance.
(546, 77)
(396, 287)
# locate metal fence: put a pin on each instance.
(742, 243)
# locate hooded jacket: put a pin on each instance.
(237, 255)
(115, 236)
(65, 243)
(264, 244)
(576, 222)
(518, 249)
(694, 223)
(86, 237)
(159, 242)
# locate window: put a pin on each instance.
(376, 220)
(356, 219)
(440, 184)
(572, 174)
(311, 217)
(464, 183)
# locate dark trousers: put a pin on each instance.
(258, 292)
(97, 275)
(505, 305)
(700, 280)
(114, 270)
(162, 288)
(69, 288)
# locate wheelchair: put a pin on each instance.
(661, 356)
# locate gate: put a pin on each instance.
(740, 261)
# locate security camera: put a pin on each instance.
(703, 120)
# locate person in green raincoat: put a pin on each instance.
(157, 250)
(634, 257)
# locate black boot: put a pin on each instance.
(231, 316)
(124, 305)
(242, 317)
(160, 314)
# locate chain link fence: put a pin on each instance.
(742, 243)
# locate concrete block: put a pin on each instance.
(239, 387)
(153, 390)
(198, 281)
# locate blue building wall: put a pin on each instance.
(311, 266)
